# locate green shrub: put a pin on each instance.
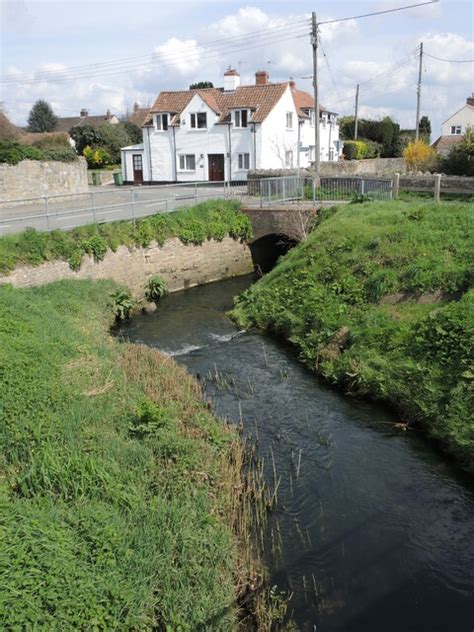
(156, 288)
(96, 246)
(354, 149)
(59, 152)
(460, 160)
(12, 152)
(96, 157)
(123, 303)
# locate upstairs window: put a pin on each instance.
(187, 162)
(244, 162)
(162, 122)
(289, 120)
(198, 120)
(456, 129)
(241, 118)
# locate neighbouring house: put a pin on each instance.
(217, 134)
(454, 127)
(66, 123)
(138, 116)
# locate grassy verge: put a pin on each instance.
(378, 301)
(210, 220)
(119, 490)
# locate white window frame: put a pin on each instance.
(194, 120)
(456, 130)
(162, 122)
(312, 117)
(239, 116)
(243, 161)
(289, 120)
(289, 159)
(183, 162)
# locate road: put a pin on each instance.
(106, 204)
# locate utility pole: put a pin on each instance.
(418, 94)
(314, 42)
(356, 118)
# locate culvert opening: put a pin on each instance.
(268, 249)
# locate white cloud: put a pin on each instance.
(183, 56)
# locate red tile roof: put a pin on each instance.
(444, 144)
(260, 99)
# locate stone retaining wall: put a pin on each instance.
(182, 266)
(34, 178)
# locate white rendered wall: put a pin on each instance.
(464, 117)
(276, 139)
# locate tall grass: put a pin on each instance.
(118, 488)
(378, 300)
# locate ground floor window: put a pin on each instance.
(288, 159)
(187, 162)
(244, 162)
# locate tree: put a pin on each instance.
(200, 85)
(424, 128)
(85, 136)
(134, 132)
(460, 160)
(114, 138)
(42, 117)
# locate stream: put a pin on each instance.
(374, 529)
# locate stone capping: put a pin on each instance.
(181, 266)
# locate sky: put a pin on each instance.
(107, 54)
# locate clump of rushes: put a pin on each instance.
(210, 220)
(155, 289)
(120, 493)
(379, 301)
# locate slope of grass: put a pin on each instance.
(331, 296)
(210, 220)
(117, 486)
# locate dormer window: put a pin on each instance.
(456, 129)
(241, 118)
(162, 122)
(198, 120)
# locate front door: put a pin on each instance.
(216, 167)
(137, 168)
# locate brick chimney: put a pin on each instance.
(292, 84)
(84, 112)
(261, 78)
(470, 100)
(136, 106)
(231, 80)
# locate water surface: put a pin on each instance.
(376, 534)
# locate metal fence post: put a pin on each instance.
(260, 192)
(269, 192)
(133, 205)
(362, 186)
(283, 196)
(195, 193)
(437, 187)
(93, 207)
(46, 203)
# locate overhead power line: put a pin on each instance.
(368, 15)
(297, 28)
(451, 61)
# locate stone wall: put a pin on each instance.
(33, 178)
(371, 166)
(448, 184)
(182, 266)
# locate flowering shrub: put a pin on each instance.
(420, 157)
(96, 157)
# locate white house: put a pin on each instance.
(455, 126)
(221, 133)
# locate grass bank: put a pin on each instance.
(120, 492)
(210, 220)
(378, 300)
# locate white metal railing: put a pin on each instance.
(68, 211)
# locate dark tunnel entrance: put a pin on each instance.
(268, 249)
